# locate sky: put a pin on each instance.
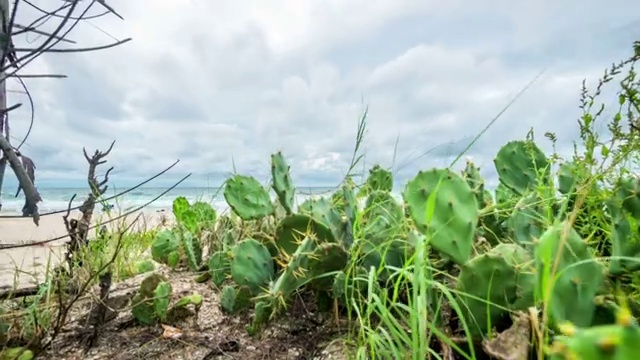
(222, 85)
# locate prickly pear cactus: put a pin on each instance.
(624, 207)
(252, 265)
(527, 220)
(323, 211)
(282, 184)
(219, 267)
(344, 200)
(234, 299)
(293, 229)
(471, 174)
(382, 216)
(192, 249)
(206, 215)
(294, 273)
(567, 178)
(503, 278)
(578, 275)
(620, 341)
(165, 248)
(247, 198)
(518, 164)
(379, 179)
(151, 302)
(443, 207)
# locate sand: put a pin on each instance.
(25, 266)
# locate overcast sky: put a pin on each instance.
(216, 83)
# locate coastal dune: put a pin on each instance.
(25, 266)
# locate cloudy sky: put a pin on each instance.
(221, 83)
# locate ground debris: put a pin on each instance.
(208, 334)
(513, 343)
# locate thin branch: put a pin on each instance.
(40, 76)
(102, 47)
(25, 29)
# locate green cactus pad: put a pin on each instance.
(605, 342)
(577, 277)
(252, 265)
(527, 220)
(161, 300)
(164, 244)
(192, 249)
(292, 229)
(219, 267)
(282, 184)
(454, 216)
(180, 205)
(247, 198)
(517, 164)
(379, 179)
(502, 278)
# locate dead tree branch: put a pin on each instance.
(68, 14)
(79, 229)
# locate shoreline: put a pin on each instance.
(25, 266)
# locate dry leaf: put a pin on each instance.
(171, 332)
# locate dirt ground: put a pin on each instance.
(209, 335)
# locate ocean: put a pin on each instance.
(54, 199)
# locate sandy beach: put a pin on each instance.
(25, 266)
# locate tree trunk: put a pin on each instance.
(31, 194)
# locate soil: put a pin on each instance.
(207, 334)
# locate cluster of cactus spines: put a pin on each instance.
(282, 183)
(292, 229)
(449, 202)
(323, 211)
(294, 273)
(494, 283)
(151, 303)
(518, 163)
(617, 341)
(252, 265)
(247, 198)
(577, 275)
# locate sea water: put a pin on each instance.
(54, 199)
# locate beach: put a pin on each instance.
(25, 266)
(18, 265)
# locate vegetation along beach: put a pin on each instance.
(273, 193)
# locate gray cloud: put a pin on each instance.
(215, 85)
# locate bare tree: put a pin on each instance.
(12, 60)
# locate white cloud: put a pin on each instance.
(211, 83)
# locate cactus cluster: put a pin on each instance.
(151, 303)
(507, 250)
